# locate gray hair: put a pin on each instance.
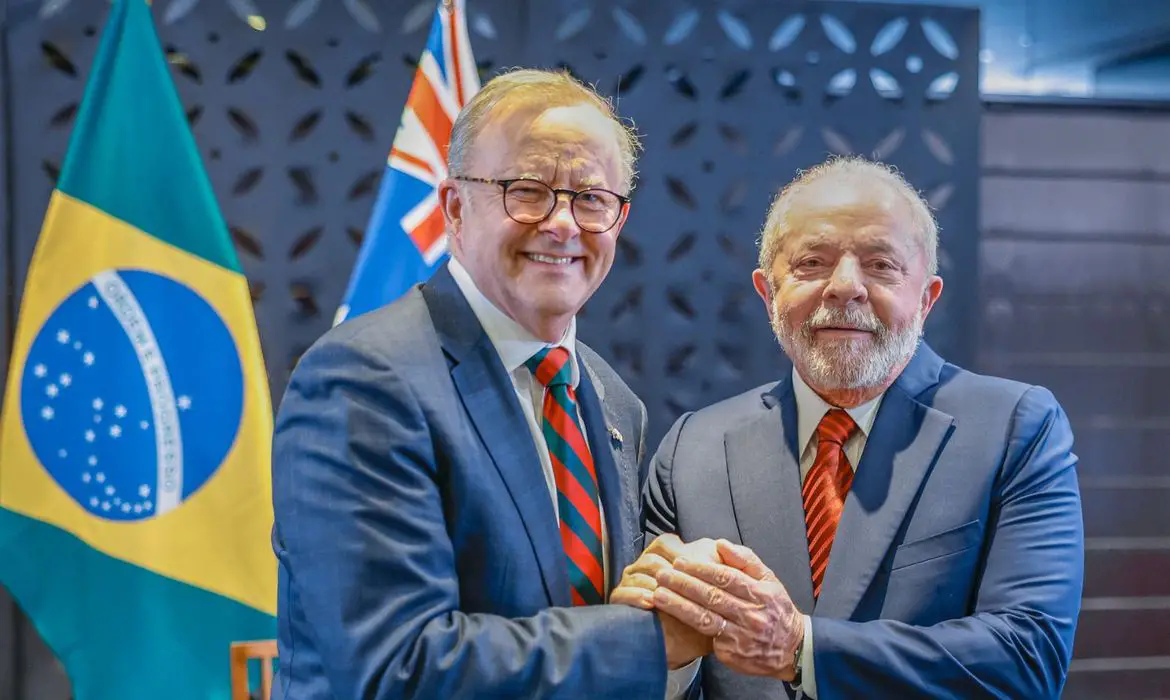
(849, 168)
(551, 88)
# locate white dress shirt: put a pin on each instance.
(810, 409)
(515, 346)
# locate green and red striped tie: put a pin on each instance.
(575, 475)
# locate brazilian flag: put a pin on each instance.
(135, 491)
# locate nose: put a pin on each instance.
(560, 224)
(846, 285)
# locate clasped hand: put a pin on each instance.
(715, 596)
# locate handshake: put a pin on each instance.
(716, 597)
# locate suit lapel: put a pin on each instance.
(764, 473)
(605, 453)
(905, 442)
(490, 399)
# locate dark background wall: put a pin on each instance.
(1075, 257)
(1062, 287)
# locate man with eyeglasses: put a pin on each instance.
(456, 477)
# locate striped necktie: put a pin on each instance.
(825, 489)
(576, 478)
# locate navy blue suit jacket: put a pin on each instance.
(419, 552)
(958, 564)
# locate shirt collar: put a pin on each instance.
(513, 343)
(811, 408)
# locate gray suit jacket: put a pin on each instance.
(957, 567)
(420, 556)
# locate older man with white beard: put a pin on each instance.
(888, 525)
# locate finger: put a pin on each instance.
(705, 595)
(687, 612)
(700, 550)
(734, 581)
(745, 560)
(633, 597)
(648, 564)
(667, 546)
(642, 581)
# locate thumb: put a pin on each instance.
(745, 560)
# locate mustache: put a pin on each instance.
(849, 317)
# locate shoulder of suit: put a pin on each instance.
(731, 411)
(963, 384)
(400, 334)
(604, 373)
(959, 389)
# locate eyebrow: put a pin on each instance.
(822, 242)
(587, 182)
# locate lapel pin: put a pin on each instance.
(615, 436)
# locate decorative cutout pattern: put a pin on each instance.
(294, 105)
(734, 98)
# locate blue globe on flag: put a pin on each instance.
(118, 398)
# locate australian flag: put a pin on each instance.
(404, 241)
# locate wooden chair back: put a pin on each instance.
(244, 652)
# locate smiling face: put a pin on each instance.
(849, 289)
(538, 274)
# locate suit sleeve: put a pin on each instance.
(660, 517)
(1018, 641)
(659, 511)
(368, 567)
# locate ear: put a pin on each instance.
(930, 294)
(621, 222)
(763, 288)
(451, 204)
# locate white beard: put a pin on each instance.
(851, 363)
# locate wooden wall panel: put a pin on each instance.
(1134, 632)
(1075, 264)
(1108, 682)
(1113, 573)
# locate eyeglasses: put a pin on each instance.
(531, 201)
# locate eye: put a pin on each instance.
(527, 191)
(810, 264)
(883, 266)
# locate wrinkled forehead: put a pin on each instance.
(576, 143)
(848, 211)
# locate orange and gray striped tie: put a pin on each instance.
(825, 489)
(576, 478)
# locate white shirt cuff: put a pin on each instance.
(808, 674)
(678, 681)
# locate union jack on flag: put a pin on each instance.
(404, 241)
